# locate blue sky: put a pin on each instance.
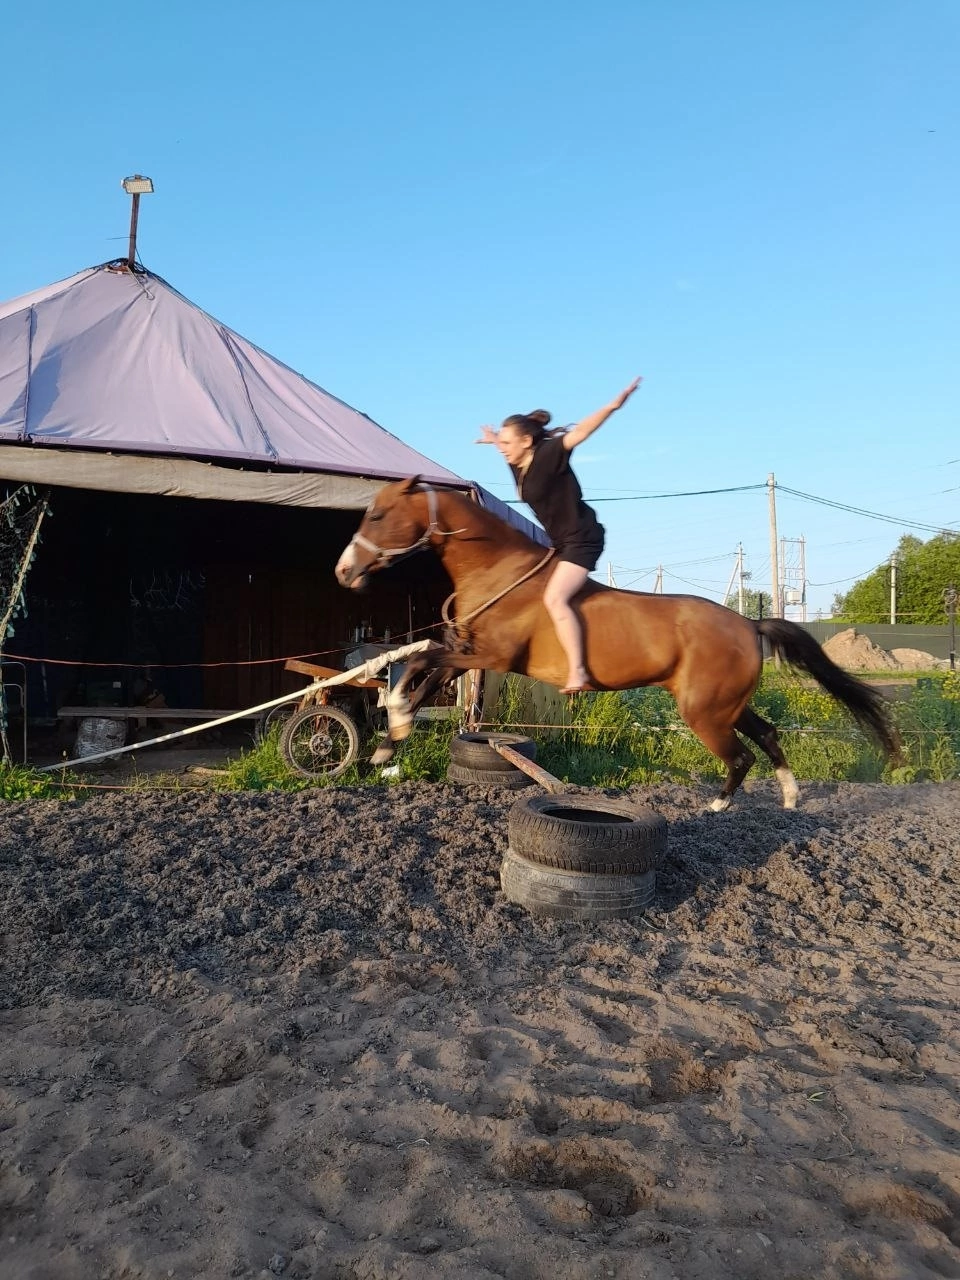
(447, 213)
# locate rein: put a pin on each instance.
(456, 623)
(387, 555)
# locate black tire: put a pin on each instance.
(473, 750)
(274, 717)
(587, 833)
(574, 895)
(510, 779)
(320, 742)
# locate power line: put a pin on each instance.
(856, 578)
(861, 511)
(693, 493)
(646, 497)
(796, 493)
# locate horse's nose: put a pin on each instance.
(344, 570)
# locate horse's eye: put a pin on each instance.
(376, 515)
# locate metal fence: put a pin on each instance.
(931, 639)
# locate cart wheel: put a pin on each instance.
(320, 742)
(275, 716)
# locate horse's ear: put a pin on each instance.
(409, 484)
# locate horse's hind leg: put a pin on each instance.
(724, 743)
(767, 739)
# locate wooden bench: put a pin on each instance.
(147, 713)
(202, 713)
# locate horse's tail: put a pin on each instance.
(868, 707)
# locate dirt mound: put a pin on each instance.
(855, 652)
(918, 660)
(305, 1035)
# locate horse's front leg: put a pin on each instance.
(440, 666)
(402, 706)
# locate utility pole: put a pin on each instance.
(736, 576)
(775, 609)
(658, 585)
(893, 589)
(950, 604)
(793, 577)
(610, 581)
(726, 594)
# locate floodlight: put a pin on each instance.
(137, 185)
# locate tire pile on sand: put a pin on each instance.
(855, 652)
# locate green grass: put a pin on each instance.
(637, 737)
(623, 739)
(18, 783)
(423, 757)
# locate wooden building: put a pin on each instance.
(200, 495)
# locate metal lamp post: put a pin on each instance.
(135, 186)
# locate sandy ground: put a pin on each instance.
(305, 1035)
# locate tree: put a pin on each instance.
(924, 571)
(752, 601)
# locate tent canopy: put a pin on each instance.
(126, 385)
(115, 359)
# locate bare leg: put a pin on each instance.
(565, 581)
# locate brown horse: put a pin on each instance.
(709, 657)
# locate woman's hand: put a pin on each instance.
(619, 401)
(587, 426)
(487, 436)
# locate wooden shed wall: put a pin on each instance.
(191, 594)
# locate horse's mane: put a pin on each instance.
(489, 524)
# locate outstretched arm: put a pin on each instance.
(587, 426)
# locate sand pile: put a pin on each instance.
(855, 652)
(918, 660)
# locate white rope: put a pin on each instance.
(456, 623)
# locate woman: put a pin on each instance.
(540, 462)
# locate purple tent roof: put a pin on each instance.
(112, 359)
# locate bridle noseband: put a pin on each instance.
(389, 555)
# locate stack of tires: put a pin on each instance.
(475, 762)
(582, 857)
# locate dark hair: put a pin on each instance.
(530, 424)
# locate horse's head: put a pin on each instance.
(400, 520)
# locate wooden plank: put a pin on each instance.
(327, 673)
(532, 770)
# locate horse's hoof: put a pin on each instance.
(382, 755)
(721, 804)
(788, 786)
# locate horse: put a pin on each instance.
(708, 657)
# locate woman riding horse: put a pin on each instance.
(707, 656)
(540, 462)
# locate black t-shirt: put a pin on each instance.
(551, 489)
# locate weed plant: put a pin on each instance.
(622, 739)
(423, 757)
(18, 783)
(637, 737)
